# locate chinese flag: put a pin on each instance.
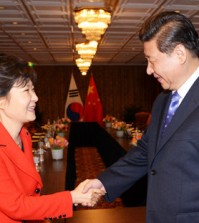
(93, 111)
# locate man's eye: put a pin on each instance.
(151, 62)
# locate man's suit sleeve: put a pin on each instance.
(126, 171)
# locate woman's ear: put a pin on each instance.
(2, 102)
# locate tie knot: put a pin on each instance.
(175, 96)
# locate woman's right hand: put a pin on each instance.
(88, 198)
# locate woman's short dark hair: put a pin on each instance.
(170, 29)
(14, 70)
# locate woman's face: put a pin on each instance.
(19, 105)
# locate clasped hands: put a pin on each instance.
(88, 193)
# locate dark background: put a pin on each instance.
(119, 88)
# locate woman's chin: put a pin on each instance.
(32, 118)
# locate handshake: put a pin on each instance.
(88, 193)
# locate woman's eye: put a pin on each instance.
(26, 89)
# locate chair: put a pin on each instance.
(142, 120)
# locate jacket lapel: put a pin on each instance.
(164, 107)
(188, 105)
(23, 160)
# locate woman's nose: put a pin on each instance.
(35, 97)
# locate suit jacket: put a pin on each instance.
(20, 185)
(171, 161)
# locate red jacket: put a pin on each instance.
(20, 185)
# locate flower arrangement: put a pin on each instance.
(109, 118)
(119, 125)
(58, 142)
(137, 135)
(61, 125)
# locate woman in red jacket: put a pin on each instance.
(20, 183)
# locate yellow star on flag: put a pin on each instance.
(90, 89)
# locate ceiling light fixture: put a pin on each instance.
(87, 50)
(83, 65)
(92, 22)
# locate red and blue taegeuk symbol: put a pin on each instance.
(74, 111)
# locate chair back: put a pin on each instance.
(142, 120)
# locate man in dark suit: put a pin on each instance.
(169, 153)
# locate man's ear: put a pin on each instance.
(181, 53)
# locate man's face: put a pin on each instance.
(164, 67)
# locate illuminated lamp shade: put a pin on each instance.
(87, 50)
(84, 70)
(92, 22)
(83, 65)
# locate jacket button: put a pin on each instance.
(153, 172)
(37, 190)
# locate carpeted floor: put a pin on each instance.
(88, 165)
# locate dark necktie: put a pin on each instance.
(175, 101)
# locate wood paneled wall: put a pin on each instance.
(118, 88)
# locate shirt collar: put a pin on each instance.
(182, 91)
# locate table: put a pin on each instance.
(58, 175)
(125, 142)
(53, 173)
(114, 215)
(91, 134)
